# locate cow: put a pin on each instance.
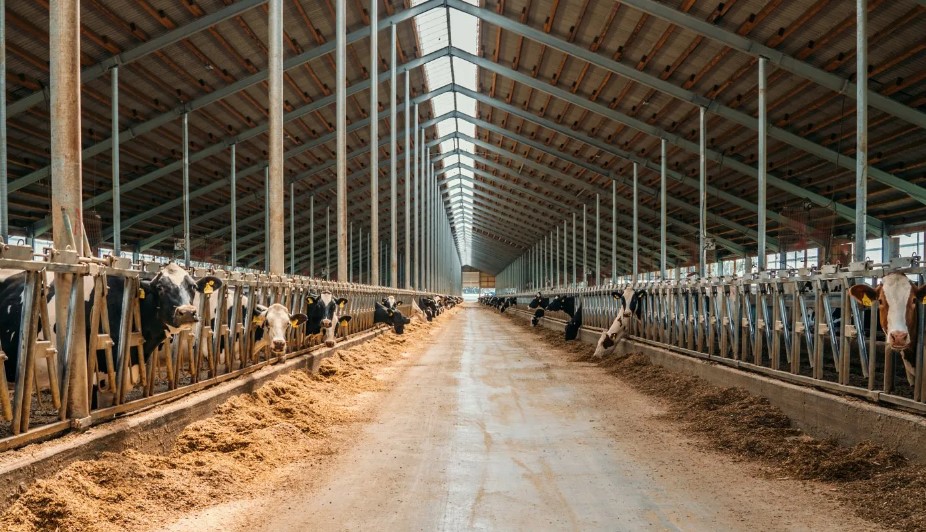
(615, 334)
(390, 316)
(507, 303)
(573, 325)
(324, 315)
(897, 297)
(429, 306)
(539, 304)
(566, 304)
(391, 302)
(167, 303)
(418, 313)
(276, 321)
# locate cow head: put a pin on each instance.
(897, 298)
(172, 293)
(389, 316)
(417, 312)
(391, 302)
(276, 322)
(324, 312)
(565, 304)
(574, 324)
(631, 302)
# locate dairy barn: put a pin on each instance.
(293, 265)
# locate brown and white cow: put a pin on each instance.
(897, 297)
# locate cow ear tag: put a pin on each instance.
(294, 323)
(258, 320)
(924, 300)
(866, 301)
(141, 293)
(310, 300)
(208, 289)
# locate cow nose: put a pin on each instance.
(326, 323)
(899, 338)
(185, 314)
(279, 345)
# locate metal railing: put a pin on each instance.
(209, 352)
(798, 325)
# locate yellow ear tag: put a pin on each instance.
(141, 293)
(344, 323)
(258, 320)
(310, 301)
(208, 288)
(340, 305)
(866, 301)
(924, 300)
(294, 323)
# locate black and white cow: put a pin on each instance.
(325, 313)
(539, 304)
(631, 308)
(167, 304)
(574, 324)
(429, 306)
(418, 313)
(276, 322)
(390, 316)
(566, 304)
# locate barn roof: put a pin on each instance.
(532, 107)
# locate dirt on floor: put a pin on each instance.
(876, 483)
(218, 458)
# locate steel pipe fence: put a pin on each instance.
(799, 325)
(220, 346)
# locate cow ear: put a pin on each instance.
(921, 293)
(309, 300)
(616, 295)
(864, 294)
(398, 303)
(297, 319)
(208, 284)
(341, 302)
(344, 320)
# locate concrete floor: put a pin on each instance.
(490, 429)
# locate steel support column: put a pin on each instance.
(408, 196)
(292, 229)
(328, 242)
(233, 197)
(636, 225)
(276, 232)
(861, 128)
(761, 230)
(4, 177)
(393, 184)
(702, 192)
(186, 189)
(417, 175)
(575, 263)
(613, 230)
(663, 210)
(597, 239)
(341, 129)
(374, 141)
(312, 236)
(66, 193)
(117, 193)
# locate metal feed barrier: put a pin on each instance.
(204, 355)
(800, 325)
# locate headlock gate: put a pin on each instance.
(219, 346)
(798, 325)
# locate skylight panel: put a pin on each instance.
(462, 33)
